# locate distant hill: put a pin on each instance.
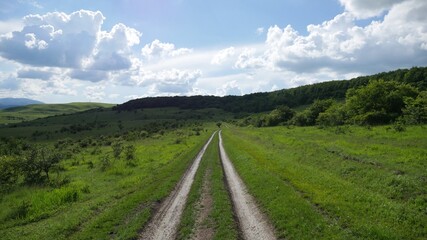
(16, 102)
(31, 112)
(266, 101)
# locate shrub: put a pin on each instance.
(9, 172)
(21, 211)
(130, 151)
(105, 162)
(335, 115)
(117, 147)
(415, 111)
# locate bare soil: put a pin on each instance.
(164, 223)
(252, 222)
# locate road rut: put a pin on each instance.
(165, 222)
(253, 223)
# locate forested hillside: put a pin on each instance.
(259, 102)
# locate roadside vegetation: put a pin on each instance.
(352, 183)
(80, 188)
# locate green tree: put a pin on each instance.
(379, 102)
(37, 163)
(333, 116)
(279, 115)
(415, 111)
(9, 172)
(308, 116)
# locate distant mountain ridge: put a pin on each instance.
(17, 102)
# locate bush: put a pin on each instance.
(117, 147)
(9, 172)
(335, 115)
(37, 163)
(415, 111)
(130, 151)
(278, 116)
(21, 211)
(105, 162)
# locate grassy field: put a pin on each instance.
(338, 183)
(31, 112)
(95, 200)
(220, 218)
(94, 123)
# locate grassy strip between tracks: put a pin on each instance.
(221, 216)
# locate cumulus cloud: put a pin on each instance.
(368, 8)
(71, 40)
(174, 81)
(248, 59)
(229, 89)
(53, 39)
(113, 49)
(400, 40)
(95, 93)
(223, 56)
(157, 49)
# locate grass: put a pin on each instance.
(97, 122)
(221, 216)
(31, 112)
(351, 182)
(96, 204)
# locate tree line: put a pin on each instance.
(294, 97)
(379, 102)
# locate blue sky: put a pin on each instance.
(117, 50)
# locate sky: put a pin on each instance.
(59, 51)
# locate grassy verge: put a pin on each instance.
(221, 215)
(100, 204)
(353, 183)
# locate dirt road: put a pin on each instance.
(253, 223)
(165, 222)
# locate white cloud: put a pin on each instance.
(6, 27)
(229, 88)
(174, 81)
(400, 40)
(95, 93)
(248, 59)
(223, 56)
(157, 49)
(51, 39)
(259, 31)
(368, 8)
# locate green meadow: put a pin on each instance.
(31, 112)
(95, 198)
(336, 183)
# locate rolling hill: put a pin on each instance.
(31, 112)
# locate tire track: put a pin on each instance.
(252, 222)
(165, 222)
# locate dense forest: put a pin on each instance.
(294, 97)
